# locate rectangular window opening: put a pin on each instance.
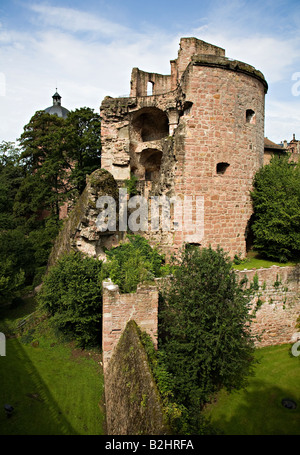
(150, 86)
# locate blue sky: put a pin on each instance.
(87, 50)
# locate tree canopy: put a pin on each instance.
(46, 169)
(276, 203)
(57, 154)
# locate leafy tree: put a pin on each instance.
(276, 203)
(11, 174)
(72, 294)
(57, 155)
(41, 139)
(16, 265)
(42, 241)
(83, 145)
(44, 187)
(49, 168)
(10, 280)
(204, 329)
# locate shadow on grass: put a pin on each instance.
(35, 410)
(259, 412)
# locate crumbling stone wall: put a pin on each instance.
(80, 231)
(133, 404)
(132, 401)
(276, 303)
(211, 148)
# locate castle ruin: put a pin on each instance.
(197, 133)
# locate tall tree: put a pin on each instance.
(83, 145)
(204, 328)
(49, 169)
(276, 204)
(44, 187)
(11, 174)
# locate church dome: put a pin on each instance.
(57, 108)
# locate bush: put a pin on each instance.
(134, 262)
(72, 294)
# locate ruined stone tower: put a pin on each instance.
(196, 133)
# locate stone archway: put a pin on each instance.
(150, 159)
(150, 124)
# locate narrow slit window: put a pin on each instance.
(222, 168)
(250, 116)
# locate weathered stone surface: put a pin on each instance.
(200, 134)
(118, 309)
(295, 337)
(80, 231)
(133, 404)
(276, 303)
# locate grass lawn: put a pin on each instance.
(54, 388)
(258, 409)
(254, 260)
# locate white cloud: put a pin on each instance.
(85, 71)
(88, 57)
(73, 20)
(282, 120)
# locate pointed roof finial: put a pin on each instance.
(56, 98)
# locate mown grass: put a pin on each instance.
(255, 261)
(257, 410)
(54, 388)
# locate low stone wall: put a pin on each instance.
(276, 303)
(118, 309)
(133, 405)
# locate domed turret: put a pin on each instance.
(57, 108)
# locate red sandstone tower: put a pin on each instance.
(196, 133)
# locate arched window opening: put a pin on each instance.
(133, 170)
(151, 161)
(222, 168)
(150, 124)
(250, 116)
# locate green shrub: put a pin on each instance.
(72, 294)
(133, 262)
(204, 329)
(130, 185)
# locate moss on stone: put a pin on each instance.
(133, 402)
